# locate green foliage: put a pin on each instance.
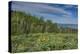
(26, 23)
(32, 33)
(43, 42)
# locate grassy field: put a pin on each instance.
(44, 42)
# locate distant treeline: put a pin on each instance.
(26, 23)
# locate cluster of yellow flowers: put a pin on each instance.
(43, 39)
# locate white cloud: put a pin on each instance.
(45, 10)
(42, 8)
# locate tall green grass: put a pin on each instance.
(43, 42)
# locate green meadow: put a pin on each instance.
(31, 33)
(44, 42)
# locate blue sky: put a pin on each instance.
(59, 13)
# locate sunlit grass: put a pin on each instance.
(43, 42)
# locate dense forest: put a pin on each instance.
(26, 23)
